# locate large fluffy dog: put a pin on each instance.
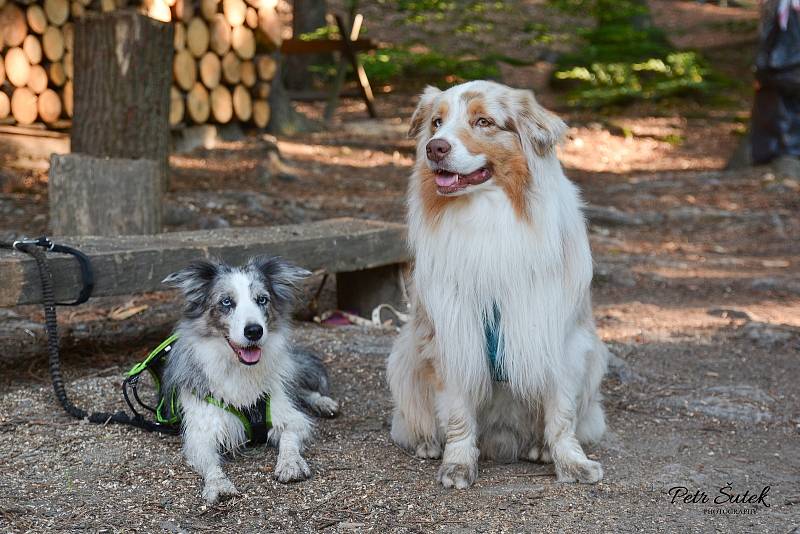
(232, 353)
(500, 357)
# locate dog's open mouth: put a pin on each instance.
(247, 355)
(448, 182)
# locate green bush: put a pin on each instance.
(623, 58)
(392, 65)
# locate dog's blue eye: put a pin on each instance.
(226, 302)
(262, 300)
(483, 122)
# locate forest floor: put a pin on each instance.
(696, 292)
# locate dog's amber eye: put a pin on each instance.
(262, 300)
(483, 122)
(436, 123)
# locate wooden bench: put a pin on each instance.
(363, 254)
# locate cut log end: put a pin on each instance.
(49, 106)
(17, 67)
(23, 106)
(242, 103)
(53, 43)
(13, 25)
(57, 11)
(231, 68)
(261, 113)
(221, 103)
(184, 70)
(176, 106)
(197, 106)
(235, 11)
(210, 70)
(243, 42)
(37, 79)
(5, 105)
(37, 20)
(33, 49)
(220, 34)
(197, 37)
(66, 99)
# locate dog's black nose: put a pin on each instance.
(253, 332)
(437, 149)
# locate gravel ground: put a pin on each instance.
(699, 408)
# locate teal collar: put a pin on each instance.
(491, 329)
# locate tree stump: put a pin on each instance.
(123, 74)
(104, 196)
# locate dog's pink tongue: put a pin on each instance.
(249, 354)
(446, 180)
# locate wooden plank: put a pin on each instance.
(341, 68)
(321, 46)
(137, 264)
(30, 148)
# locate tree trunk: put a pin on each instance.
(307, 16)
(283, 118)
(123, 74)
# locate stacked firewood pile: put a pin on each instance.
(222, 68)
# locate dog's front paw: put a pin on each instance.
(459, 476)
(218, 489)
(292, 469)
(428, 450)
(540, 454)
(326, 407)
(584, 471)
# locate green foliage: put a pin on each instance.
(391, 65)
(623, 58)
(468, 14)
(401, 63)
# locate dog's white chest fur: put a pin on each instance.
(482, 257)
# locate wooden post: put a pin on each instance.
(104, 196)
(358, 69)
(123, 74)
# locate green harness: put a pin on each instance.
(256, 419)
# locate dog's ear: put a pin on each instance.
(423, 111)
(195, 281)
(281, 277)
(537, 127)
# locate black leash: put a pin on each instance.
(37, 248)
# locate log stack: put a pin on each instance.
(222, 68)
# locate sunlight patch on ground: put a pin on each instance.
(342, 155)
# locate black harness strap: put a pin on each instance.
(37, 248)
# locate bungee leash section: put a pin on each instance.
(37, 249)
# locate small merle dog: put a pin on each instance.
(233, 352)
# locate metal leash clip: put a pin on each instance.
(85, 264)
(43, 242)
